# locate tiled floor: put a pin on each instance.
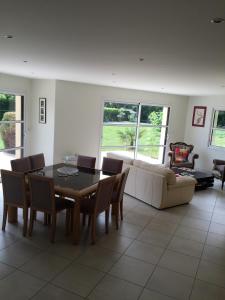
(178, 253)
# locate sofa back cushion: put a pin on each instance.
(158, 169)
(127, 160)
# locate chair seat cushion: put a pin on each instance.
(62, 203)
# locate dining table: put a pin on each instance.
(74, 185)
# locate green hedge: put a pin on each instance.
(7, 130)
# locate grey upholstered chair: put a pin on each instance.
(42, 198)
(112, 165)
(86, 161)
(15, 195)
(98, 203)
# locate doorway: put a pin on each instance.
(11, 128)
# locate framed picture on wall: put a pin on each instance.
(199, 114)
(42, 110)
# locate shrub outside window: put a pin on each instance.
(135, 130)
(217, 137)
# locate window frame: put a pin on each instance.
(215, 128)
(136, 125)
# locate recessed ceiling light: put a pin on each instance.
(141, 59)
(6, 36)
(25, 61)
(217, 20)
(113, 74)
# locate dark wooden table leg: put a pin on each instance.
(76, 222)
(12, 214)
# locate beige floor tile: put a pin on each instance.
(217, 240)
(180, 263)
(99, 258)
(145, 252)
(19, 286)
(115, 242)
(129, 230)
(7, 239)
(152, 295)
(45, 266)
(17, 254)
(155, 237)
(214, 254)
(217, 228)
(136, 218)
(112, 288)
(219, 217)
(191, 234)
(5, 270)
(211, 273)
(133, 270)
(199, 214)
(164, 227)
(205, 291)
(78, 279)
(170, 283)
(185, 246)
(51, 292)
(195, 223)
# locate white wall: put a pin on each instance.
(42, 135)
(78, 115)
(199, 136)
(20, 86)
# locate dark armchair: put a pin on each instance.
(219, 170)
(181, 155)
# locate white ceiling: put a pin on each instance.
(100, 42)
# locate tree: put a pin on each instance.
(128, 135)
(155, 118)
(7, 130)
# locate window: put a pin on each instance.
(11, 128)
(135, 130)
(218, 129)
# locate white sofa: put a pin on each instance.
(156, 184)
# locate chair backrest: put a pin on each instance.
(181, 151)
(86, 161)
(112, 165)
(21, 165)
(122, 184)
(104, 194)
(14, 188)
(37, 161)
(41, 193)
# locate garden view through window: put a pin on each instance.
(11, 128)
(135, 130)
(218, 129)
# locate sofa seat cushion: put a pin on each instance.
(159, 169)
(127, 160)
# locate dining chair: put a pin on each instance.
(98, 203)
(42, 198)
(86, 161)
(117, 196)
(112, 165)
(14, 195)
(21, 165)
(37, 161)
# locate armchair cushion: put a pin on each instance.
(181, 154)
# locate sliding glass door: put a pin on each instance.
(11, 128)
(135, 130)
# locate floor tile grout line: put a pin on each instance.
(196, 274)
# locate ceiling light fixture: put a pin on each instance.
(6, 36)
(25, 61)
(217, 20)
(141, 59)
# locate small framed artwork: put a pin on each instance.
(199, 114)
(42, 110)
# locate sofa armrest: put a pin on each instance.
(183, 181)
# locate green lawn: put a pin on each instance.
(2, 146)
(148, 136)
(218, 138)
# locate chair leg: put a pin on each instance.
(89, 220)
(117, 214)
(107, 221)
(93, 228)
(31, 225)
(53, 227)
(25, 220)
(45, 219)
(222, 185)
(84, 220)
(121, 209)
(5, 211)
(68, 217)
(71, 220)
